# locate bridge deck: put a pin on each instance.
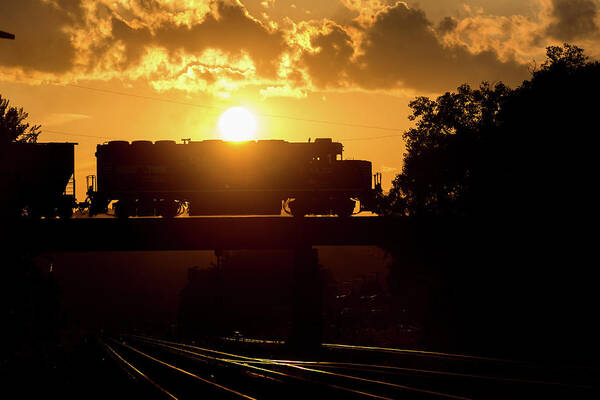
(199, 233)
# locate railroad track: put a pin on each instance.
(224, 374)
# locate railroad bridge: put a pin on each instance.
(206, 233)
(222, 233)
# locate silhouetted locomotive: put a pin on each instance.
(214, 177)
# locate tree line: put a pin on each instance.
(497, 150)
(13, 127)
(498, 186)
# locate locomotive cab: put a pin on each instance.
(336, 184)
(326, 150)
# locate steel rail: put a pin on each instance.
(291, 365)
(246, 364)
(130, 365)
(186, 372)
(378, 368)
(419, 352)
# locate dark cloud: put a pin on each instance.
(447, 25)
(574, 19)
(231, 31)
(334, 49)
(400, 46)
(402, 49)
(41, 43)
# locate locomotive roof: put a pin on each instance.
(319, 145)
(317, 142)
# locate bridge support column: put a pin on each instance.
(307, 302)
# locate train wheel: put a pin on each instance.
(65, 212)
(344, 209)
(34, 212)
(168, 208)
(121, 210)
(48, 212)
(297, 208)
(145, 208)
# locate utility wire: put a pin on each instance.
(371, 138)
(115, 138)
(219, 109)
(182, 103)
(74, 134)
(318, 121)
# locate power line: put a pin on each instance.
(114, 138)
(74, 134)
(318, 121)
(371, 137)
(182, 103)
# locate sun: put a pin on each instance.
(237, 124)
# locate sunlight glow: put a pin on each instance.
(237, 124)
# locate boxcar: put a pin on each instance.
(37, 179)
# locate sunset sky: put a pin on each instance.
(95, 70)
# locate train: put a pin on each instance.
(208, 177)
(37, 179)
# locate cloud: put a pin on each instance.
(332, 51)
(524, 38)
(211, 46)
(42, 42)
(400, 48)
(218, 47)
(54, 119)
(446, 25)
(229, 28)
(511, 37)
(283, 91)
(574, 19)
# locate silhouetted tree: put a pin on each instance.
(446, 151)
(520, 163)
(549, 127)
(496, 150)
(13, 127)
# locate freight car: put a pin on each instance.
(214, 177)
(37, 179)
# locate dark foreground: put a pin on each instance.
(203, 233)
(135, 366)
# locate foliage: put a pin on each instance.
(13, 127)
(566, 56)
(520, 164)
(445, 150)
(495, 149)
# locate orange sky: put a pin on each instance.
(348, 62)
